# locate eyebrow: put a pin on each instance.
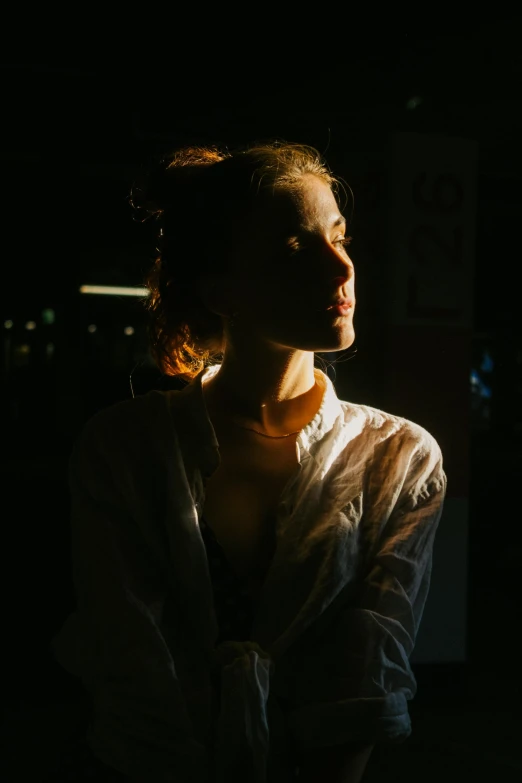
(339, 221)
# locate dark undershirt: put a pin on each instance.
(235, 609)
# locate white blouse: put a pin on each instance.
(328, 658)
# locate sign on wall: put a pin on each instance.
(431, 225)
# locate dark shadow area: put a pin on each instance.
(85, 353)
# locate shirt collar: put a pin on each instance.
(204, 436)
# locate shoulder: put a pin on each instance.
(378, 426)
(400, 452)
(124, 423)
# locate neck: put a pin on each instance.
(275, 397)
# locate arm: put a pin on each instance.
(352, 684)
(140, 723)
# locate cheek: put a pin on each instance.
(270, 287)
(260, 284)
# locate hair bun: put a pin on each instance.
(149, 194)
(161, 186)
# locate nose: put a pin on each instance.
(341, 265)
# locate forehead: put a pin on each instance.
(307, 205)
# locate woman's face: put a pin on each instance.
(289, 266)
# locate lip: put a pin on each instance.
(340, 307)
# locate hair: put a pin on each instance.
(217, 186)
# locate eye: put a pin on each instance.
(343, 241)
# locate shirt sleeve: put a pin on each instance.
(353, 683)
(113, 640)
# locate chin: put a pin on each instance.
(339, 346)
(322, 344)
(310, 336)
(338, 340)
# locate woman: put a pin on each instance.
(251, 554)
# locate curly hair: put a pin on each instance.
(218, 187)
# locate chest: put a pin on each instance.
(241, 501)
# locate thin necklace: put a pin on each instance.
(275, 437)
(258, 432)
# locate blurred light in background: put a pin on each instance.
(8, 324)
(487, 362)
(21, 355)
(114, 290)
(48, 316)
(129, 330)
(412, 103)
(478, 386)
(30, 325)
(92, 328)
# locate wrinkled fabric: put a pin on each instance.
(243, 735)
(328, 658)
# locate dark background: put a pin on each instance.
(78, 128)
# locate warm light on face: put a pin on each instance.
(113, 290)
